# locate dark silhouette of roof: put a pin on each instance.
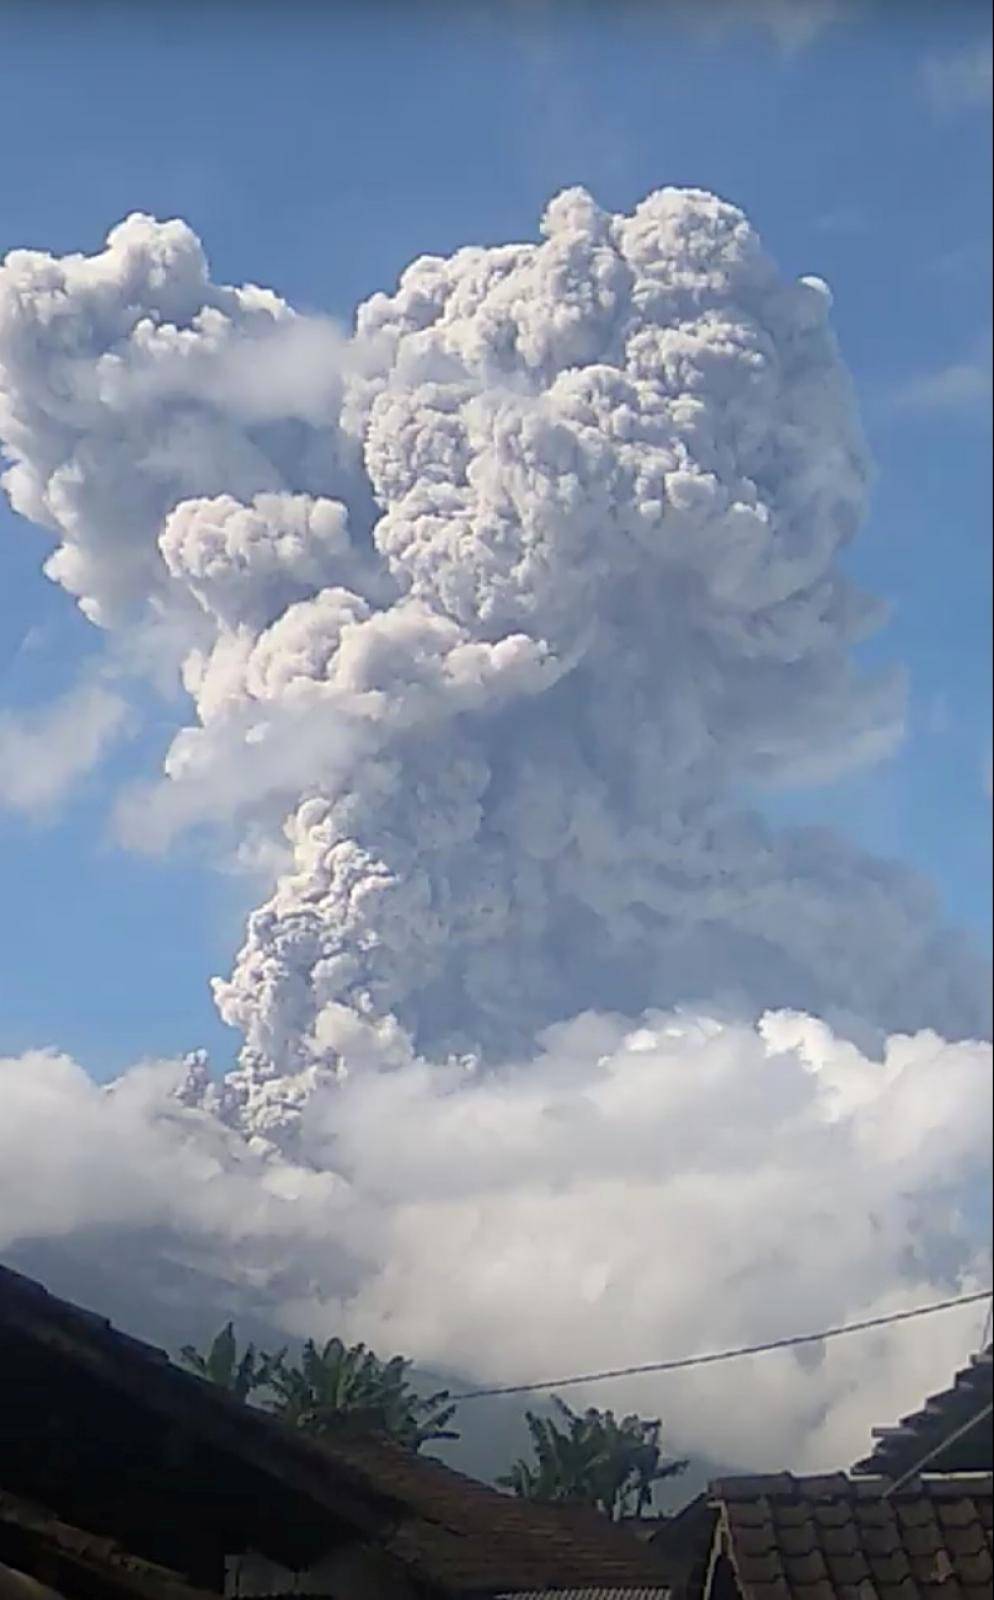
(129, 1434)
(899, 1449)
(74, 1562)
(655, 1593)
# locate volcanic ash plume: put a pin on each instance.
(498, 616)
(501, 607)
(505, 603)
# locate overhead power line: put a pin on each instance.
(681, 1363)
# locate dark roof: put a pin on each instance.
(900, 1448)
(456, 1535)
(682, 1544)
(655, 1593)
(478, 1541)
(71, 1560)
(781, 1537)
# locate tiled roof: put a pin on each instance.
(461, 1532)
(458, 1536)
(587, 1594)
(900, 1448)
(838, 1538)
(32, 1540)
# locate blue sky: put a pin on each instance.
(318, 150)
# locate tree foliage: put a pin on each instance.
(586, 1458)
(338, 1386)
(333, 1389)
(242, 1375)
(590, 1458)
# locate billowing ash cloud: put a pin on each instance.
(504, 603)
(131, 382)
(497, 615)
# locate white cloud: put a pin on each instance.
(45, 752)
(960, 80)
(965, 263)
(844, 220)
(958, 386)
(792, 25)
(635, 1191)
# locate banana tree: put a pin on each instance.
(591, 1458)
(338, 1388)
(242, 1375)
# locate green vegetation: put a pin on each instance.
(589, 1458)
(584, 1458)
(331, 1390)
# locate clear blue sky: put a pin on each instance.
(318, 149)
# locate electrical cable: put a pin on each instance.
(937, 1449)
(681, 1363)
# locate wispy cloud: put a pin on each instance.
(843, 220)
(791, 24)
(45, 751)
(962, 385)
(964, 263)
(959, 80)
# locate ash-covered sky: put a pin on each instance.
(499, 655)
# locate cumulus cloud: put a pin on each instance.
(45, 752)
(492, 617)
(960, 80)
(634, 1190)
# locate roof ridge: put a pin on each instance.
(428, 1514)
(86, 1546)
(842, 1485)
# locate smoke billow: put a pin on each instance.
(496, 615)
